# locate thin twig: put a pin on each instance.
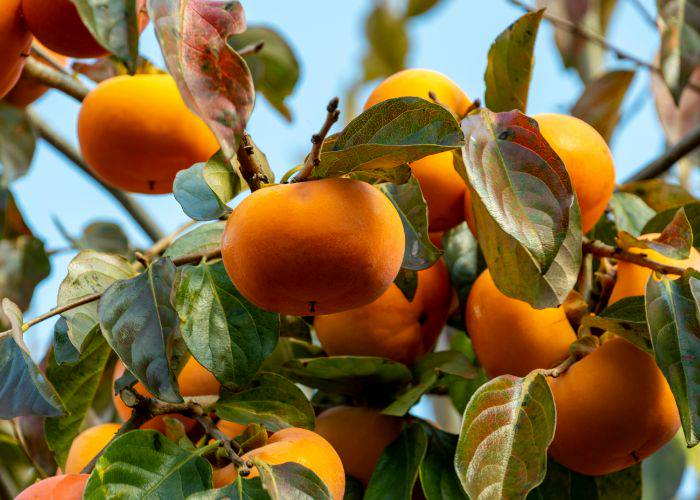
(137, 212)
(40, 52)
(251, 49)
(560, 369)
(314, 157)
(250, 169)
(56, 79)
(211, 429)
(600, 249)
(686, 145)
(181, 261)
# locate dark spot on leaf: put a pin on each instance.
(157, 445)
(504, 135)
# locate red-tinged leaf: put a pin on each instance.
(213, 79)
(675, 241)
(679, 23)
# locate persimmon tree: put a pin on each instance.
(433, 245)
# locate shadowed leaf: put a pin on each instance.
(201, 239)
(23, 265)
(675, 241)
(658, 194)
(661, 220)
(679, 22)
(407, 282)
(630, 213)
(626, 318)
(388, 43)
(17, 143)
(438, 478)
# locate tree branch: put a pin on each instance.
(686, 145)
(314, 157)
(162, 244)
(56, 79)
(600, 249)
(250, 169)
(211, 429)
(138, 214)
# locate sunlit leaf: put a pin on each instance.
(389, 135)
(76, 383)
(139, 321)
(507, 428)
(24, 390)
(658, 194)
(510, 63)
(17, 143)
(146, 464)
(663, 219)
(213, 79)
(675, 240)
(673, 312)
(630, 213)
(680, 42)
(226, 333)
(89, 272)
(270, 400)
(202, 239)
(626, 318)
(599, 104)
(420, 253)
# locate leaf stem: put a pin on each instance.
(162, 244)
(211, 429)
(56, 79)
(600, 249)
(132, 207)
(561, 368)
(314, 157)
(250, 169)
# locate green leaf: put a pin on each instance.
(626, 318)
(661, 220)
(599, 104)
(387, 43)
(662, 472)
(354, 490)
(527, 217)
(24, 390)
(292, 480)
(23, 265)
(675, 241)
(507, 428)
(275, 68)
(437, 474)
(673, 309)
(463, 259)
(115, 26)
(213, 79)
(63, 349)
(680, 42)
(349, 375)
(146, 464)
(510, 63)
(397, 469)
(460, 390)
(420, 253)
(201, 239)
(139, 321)
(288, 349)
(389, 135)
(407, 282)
(17, 143)
(76, 383)
(270, 400)
(630, 213)
(104, 237)
(418, 7)
(204, 189)
(226, 333)
(658, 194)
(89, 273)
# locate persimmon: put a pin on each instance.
(587, 159)
(27, 90)
(632, 279)
(510, 336)
(136, 133)
(231, 429)
(15, 40)
(57, 25)
(314, 247)
(194, 380)
(391, 326)
(359, 435)
(87, 445)
(294, 445)
(442, 186)
(614, 408)
(60, 487)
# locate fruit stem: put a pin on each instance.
(561, 368)
(251, 49)
(211, 429)
(56, 79)
(600, 249)
(314, 157)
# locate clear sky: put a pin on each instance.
(328, 38)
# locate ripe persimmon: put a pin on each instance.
(314, 247)
(60, 487)
(87, 445)
(295, 445)
(632, 279)
(510, 336)
(27, 90)
(442, 186)
(136, 133)
(614, 408)
(391, 326)
(15, 40)
(359, 435)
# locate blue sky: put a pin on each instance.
(328, 38)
